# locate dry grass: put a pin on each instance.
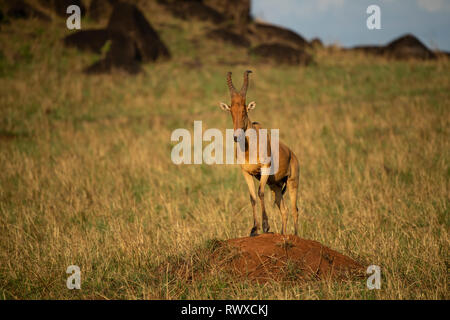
(86, 176)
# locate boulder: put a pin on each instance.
(404, 47)
(128, 19)
(193, 10)
(122, 55)
(132, 41)
(19, 9)
(88, 40)
(230, 37)
(267, 33)
(122, 52)
(407, 47)
(99, 9)
(237, 11)
(281, 54)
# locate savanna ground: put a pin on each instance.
(86, 176)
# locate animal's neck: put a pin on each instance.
(249, 123)
(248, 126)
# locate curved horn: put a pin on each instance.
(230, 84)
(245, 84)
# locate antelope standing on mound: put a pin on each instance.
(287, 175)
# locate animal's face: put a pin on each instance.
(238, 108)
(239, 114)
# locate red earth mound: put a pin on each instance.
(277, 257)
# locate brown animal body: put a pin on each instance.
(287, 176)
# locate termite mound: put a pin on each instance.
(267, 257)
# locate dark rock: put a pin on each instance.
(128, 19)
(132, 41)
(281, 54)
(407, 47)
(189, 10)
(404, 47)
(60, 6)
(19, 9)
(229, 37)
(237, 11)
(90, 40)
(273, 34)
(122, 55)
(122, 52)
(99, 9)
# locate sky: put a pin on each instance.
(344, 21)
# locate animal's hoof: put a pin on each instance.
(254, 232)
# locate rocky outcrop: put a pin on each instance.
(227, 36)
(281, 54)
(237, 11)
(99, 9)
(267, 33)
(129, 20)
(404, 47)
(193, 10)
(88, 40)
(122, 55)
(407, 47)
(131, 39)
(20, 9)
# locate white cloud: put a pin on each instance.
(434, 5)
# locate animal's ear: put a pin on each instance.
(251, 106)
(224, 106)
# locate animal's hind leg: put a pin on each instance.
(281, 206)
(292, 186)
(265, 220)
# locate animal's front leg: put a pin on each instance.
(251, 189)
(265, 220)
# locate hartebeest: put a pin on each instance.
(287, 175)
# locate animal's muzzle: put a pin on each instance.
(238, 134)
